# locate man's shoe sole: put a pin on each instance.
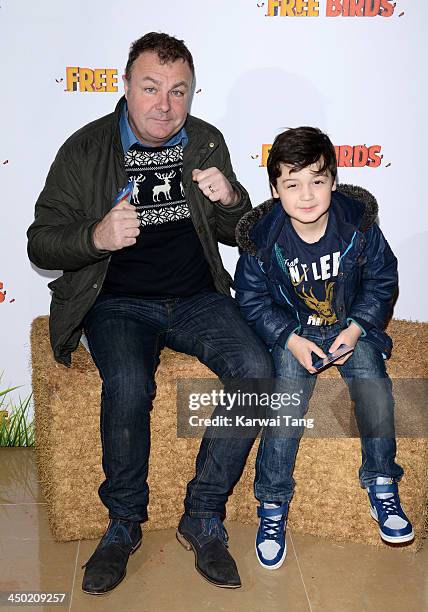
(188, 546)
(113, 586)
(399, 540)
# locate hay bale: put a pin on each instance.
(68, 450)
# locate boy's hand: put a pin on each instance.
(348, 336)
(302, 348)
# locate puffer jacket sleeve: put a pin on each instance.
(60, 237)
(379, 282)
(272, 322)
(228, 216)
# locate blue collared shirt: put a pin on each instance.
(128, 137)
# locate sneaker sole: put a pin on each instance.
(113, 586)
(271, 567)
(390, 539)
(188, 546)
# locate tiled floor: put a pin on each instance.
(318, 575)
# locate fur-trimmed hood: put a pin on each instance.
(356, 206)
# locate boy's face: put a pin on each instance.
(305, 194)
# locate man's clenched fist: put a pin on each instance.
(119, 228)
(215, 186)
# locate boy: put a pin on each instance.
(316, 273)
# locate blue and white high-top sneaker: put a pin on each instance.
(271, 547)
(385, 508)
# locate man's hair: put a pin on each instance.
(301, 147)
(167, 48)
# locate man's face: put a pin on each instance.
(305, 194)
(158, 97)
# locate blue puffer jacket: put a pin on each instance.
(365, 288)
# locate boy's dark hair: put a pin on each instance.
(168, 49)
(301, 147)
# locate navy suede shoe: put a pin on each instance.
(208, 539)
(107, 566)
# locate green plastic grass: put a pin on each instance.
(16, 429)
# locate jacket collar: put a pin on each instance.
(257, 231)
(204, 139)
(117, 142)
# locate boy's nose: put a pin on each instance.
(306, 193)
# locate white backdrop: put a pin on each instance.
(360, 78)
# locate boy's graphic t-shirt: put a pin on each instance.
(313, 269)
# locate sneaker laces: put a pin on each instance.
(271, 528)
(215, 526)
(389, 505)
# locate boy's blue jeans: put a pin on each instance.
(126, 336)
(370, 389)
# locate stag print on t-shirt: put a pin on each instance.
(314, 286)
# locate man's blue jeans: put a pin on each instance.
(125, 337)
(370, 389)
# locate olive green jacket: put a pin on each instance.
(82, 183)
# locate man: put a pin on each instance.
(138, 278)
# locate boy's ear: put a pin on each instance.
(333, 187)
(274, 191)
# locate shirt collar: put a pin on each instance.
(128, 137)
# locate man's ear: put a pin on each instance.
(125, 85)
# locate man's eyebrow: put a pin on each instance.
(147, 78)
(179, 84)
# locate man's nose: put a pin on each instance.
(163, 103)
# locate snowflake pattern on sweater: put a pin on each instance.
(158, 192)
